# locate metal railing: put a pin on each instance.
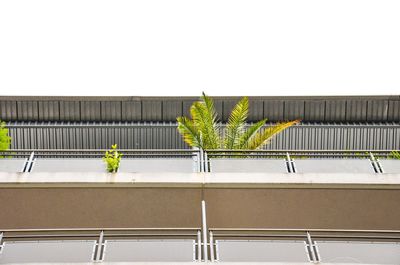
(95, 237)
(310, 240)
(214, 245)
(146, 135)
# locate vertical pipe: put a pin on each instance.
(211, 246)
(204, 228)
(198, 245)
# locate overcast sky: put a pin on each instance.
(170, 47)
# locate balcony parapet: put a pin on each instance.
(189, 161)
(201, 180)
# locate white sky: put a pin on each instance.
(170, 47)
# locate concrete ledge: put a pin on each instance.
(200, 180)
(191, 263)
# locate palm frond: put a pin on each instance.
(189, 132)
(205, 119)
(248, 134)
(203, 129)
(262, 138)
(236, 123)
(211, 113)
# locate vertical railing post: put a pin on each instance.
(1, 242)
(198, 163)
(211, 246)
(206, 167)
(199, 245)
(201, 160)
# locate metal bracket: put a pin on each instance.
(98, 251)
(290, 165)
(29, 163)
(312, 250)
(375, 164)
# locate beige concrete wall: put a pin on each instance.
(303, 208)
(99, 207)
(113, 207)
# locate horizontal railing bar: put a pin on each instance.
(174, 125)
(102, 229)
(303, 230)
(125, 155)
(103, 150)
(212, 154)
(294, 151)
(197, 228)
(298, 236)
(222, 151)
(29, 236)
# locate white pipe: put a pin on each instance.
(204, 227)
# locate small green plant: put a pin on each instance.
(5, 139)
(112, 158)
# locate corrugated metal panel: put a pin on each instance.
(49, 111)
(356, 110)
(314, 110)
(172, 109)
(131, 111)
(309, 109)
(70, 111)
(377, 110)
(152, 110)
(273, 110)
(294, 109)
(111, 111)
(28, 110)
(394, 111)
(165, 136)
(335, 110)
(186, 107)
(8, 110)
(219, 108)
(228, 106)
(90, 111)
(256, 110)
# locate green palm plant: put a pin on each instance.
(204, 131)
(5, 140)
